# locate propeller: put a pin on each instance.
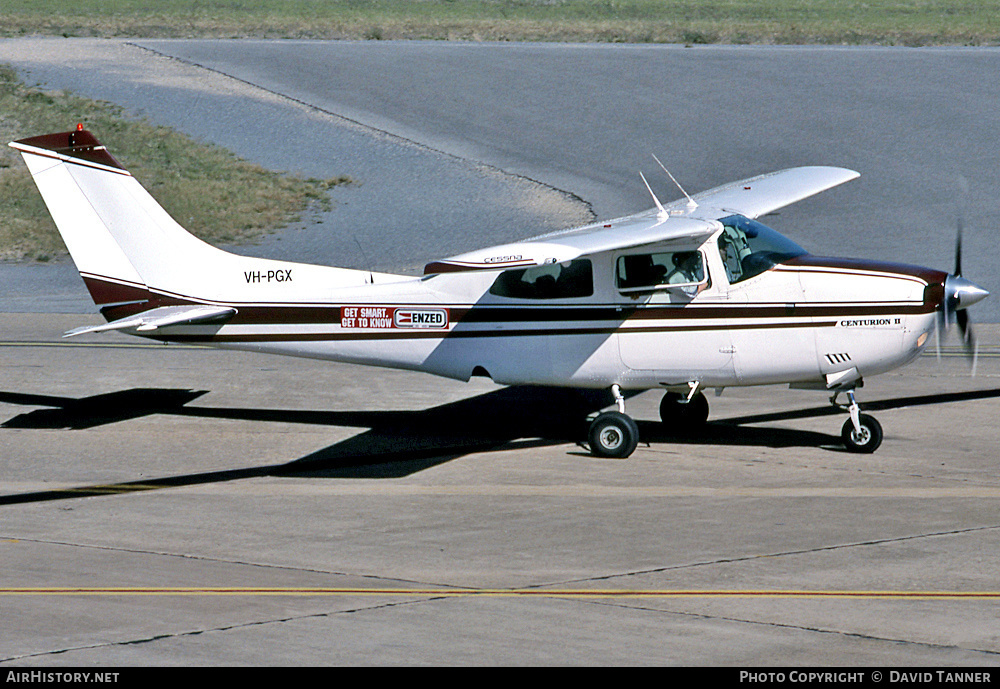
(959, 294)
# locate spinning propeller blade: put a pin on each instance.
(959, 294)
(958, 247)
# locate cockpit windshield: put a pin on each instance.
(749, 248)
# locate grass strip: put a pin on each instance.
(884, 22)
(207, 189)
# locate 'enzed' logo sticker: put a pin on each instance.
(420, 318)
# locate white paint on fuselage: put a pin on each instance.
(760, 331)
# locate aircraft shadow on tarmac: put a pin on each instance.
(400, 443)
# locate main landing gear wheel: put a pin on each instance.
(613, 434)
(679, 416)
(867, 440)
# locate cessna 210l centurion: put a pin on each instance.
(690, 295)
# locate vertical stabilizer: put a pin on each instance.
(84, 231)
(128, 249)
(114, 230)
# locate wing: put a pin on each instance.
(751, 197)
(765, 193)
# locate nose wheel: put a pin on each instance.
(864, 440)
(861, 433)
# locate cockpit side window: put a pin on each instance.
(637, 271)
(748, 248)
(570, 280)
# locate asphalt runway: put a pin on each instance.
(171, 505)
(167, 505)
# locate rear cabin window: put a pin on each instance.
(660, 270)
(569, 280)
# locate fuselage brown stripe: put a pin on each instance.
(460, 334)
(266, 315)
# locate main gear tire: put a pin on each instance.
(679, 416)
(613, 434)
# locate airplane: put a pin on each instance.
(687, 296)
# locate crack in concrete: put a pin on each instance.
(224, 561)
(197, 632)
(555, 596)
(796, 627)
(788, 553)
(540, 585)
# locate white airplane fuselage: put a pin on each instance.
(797, 322)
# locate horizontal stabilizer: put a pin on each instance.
(162, 317)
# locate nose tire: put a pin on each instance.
(865, 442)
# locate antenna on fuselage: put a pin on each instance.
(691, 202)
(371, 278)
(663, 211)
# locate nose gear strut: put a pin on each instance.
(861, 433)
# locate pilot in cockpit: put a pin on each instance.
(688, 268)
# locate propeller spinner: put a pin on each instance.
(960, 294)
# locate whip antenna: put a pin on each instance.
(691, 201)
(659, 205)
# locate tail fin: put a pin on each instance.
(129, 250)
(59, 163)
